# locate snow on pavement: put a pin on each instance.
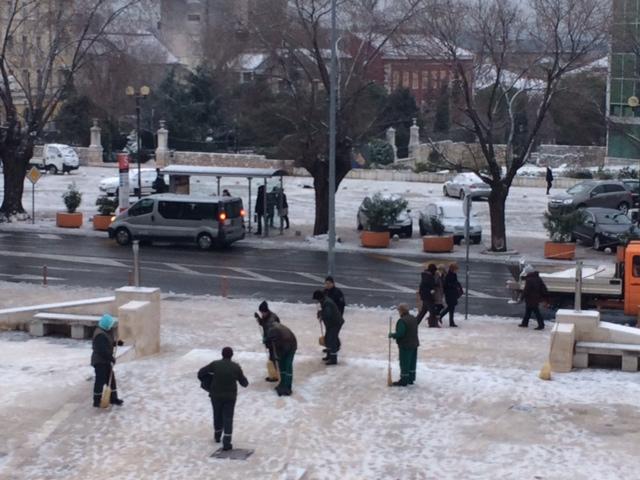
(478, 410)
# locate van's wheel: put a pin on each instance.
(123, 236)
(52, 169)
(597, 243)
(444, 191)
(623, 207)
(205, 242)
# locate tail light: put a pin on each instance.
(222, 217)
(242, 213)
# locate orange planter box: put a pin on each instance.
(559, 251)
(102, 222)
(437, 244)
(69, 220)
(374, 239)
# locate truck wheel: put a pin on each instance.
(205, 242)
(52, 169)
(123, 236)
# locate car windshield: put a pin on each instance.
(451, 212)
(579, 188)
(613, 219)
(67, 151)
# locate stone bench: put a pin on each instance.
(82, 326)
(628, 352)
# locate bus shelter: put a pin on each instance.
(180, 178)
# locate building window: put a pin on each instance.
(193, 17)
(425, 80)
(396, 80)
(416, 81)
(405, 79)
(435, 85)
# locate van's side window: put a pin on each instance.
(142, 207)
(636, 266)
(188, 211)
(171, 210)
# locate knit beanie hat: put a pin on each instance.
(318, 295)
(106, 322)
(264, 307)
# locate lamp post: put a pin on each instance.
(141, 95)
(332, 143)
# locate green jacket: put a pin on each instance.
(406, 333)
(223, 376)
(330, 314)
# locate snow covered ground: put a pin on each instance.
(524, 213)
(478, 410)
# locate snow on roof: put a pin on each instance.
(143, 46)
(600, 64)
(223, 171)
(421, 46)
(249, 61)
(486, 77)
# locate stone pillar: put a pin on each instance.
(563, 340)
(414, 139)
(162, 152)
(95, 148)
(391, 139)
(139, 312)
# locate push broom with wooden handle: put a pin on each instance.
(105, 400)
(389, 380)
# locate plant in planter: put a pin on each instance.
(560, 227)
(72, 199)
(381, 212)
(106, 208)
(438, 241)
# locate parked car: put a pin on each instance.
(452, 217)
(466, 184)
(57, 158)
(633, 186)
(403, 226)
(207, 221)
(605, 227)
(592, 193)
(110, 185)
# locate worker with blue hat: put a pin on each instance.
(102, 359)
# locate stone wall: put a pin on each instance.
(572, 155)
(463, 154)
(204, 159)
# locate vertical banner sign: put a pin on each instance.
(123, 188)
(33, 175)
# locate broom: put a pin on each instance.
(389, 380)
(545, 371)
(272, 367)
(105, 400)
(321, 339)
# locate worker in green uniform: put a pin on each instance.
(406, 336)
(220, 379)
(282, 346)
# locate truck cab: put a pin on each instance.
(56, 158)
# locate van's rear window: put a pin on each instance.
(233, 208)
(188, 211)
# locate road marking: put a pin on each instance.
(182, 269)
(65, 258)
(394, 286)
(477, 294)
(254, 275)
(50, 425)
(49, 236)
(400, 261)
(316, 278)
(26, 276)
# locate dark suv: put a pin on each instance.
(592, 193)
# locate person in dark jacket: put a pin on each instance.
(102, 359)
(266, 318)
(260, 209)
(283, 209)
(549, 178)
(221, 377)
(332, 319)
(334, 293)
(282, 346)
(159, 185)
(534, 292)
(272, 200)
(406, 336)
(452, 292)
(426, 293)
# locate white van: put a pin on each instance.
(57, 158)
(207, 221)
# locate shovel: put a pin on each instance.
(389, 379)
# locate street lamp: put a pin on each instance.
(142, 94)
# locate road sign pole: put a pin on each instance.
(466, 264)
(33, 203)
(136, 263)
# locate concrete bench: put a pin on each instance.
(628, 352)
(82, 326)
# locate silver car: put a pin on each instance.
(207, 221)
(452, 217)
(592, 193)
(466, 184)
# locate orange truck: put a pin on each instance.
(615, 286)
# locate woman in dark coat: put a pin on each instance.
(452, 292)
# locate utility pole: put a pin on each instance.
(331, 256)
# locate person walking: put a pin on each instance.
(102, 360)
(406, 336)
(226, 193)
(549, 178)
(534, 292)
(452, 292)
(272, 199)
(332, 319)
(438, 293)
(260, 209)
(220, 378)
(283, 209)
(282, 344)
(159, 185)
(426, 292)
(266, 318)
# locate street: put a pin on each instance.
(368, 279)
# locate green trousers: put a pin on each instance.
(408, 360)
(286, 370)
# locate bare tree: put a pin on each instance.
(299, 44)
(43, 45)
(560, 36)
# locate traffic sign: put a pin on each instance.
(34, 175)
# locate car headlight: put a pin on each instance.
(567, 201)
